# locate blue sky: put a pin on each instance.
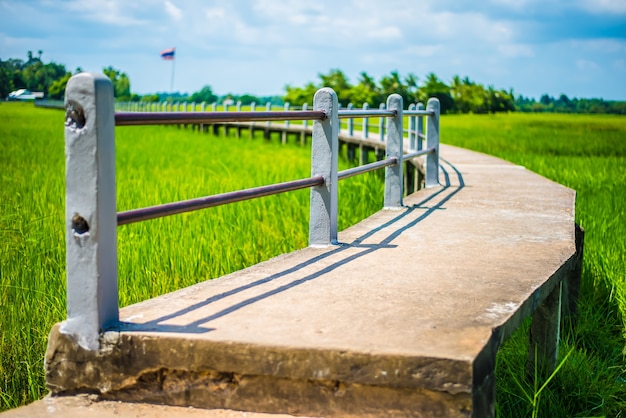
(576, 47)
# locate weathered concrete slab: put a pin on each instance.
(402, 319)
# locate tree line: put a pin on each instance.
(461, 95)
(564, 104)
(51, 78)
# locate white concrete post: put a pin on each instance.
(284, 134)
(381, 124)
(393, 174)
(239, 106)
(350, 121)
(420, 128)
(432, 141)
(305, 123)
(213, 106)
(366, 127)
(268, 108)
(412, 128)
(253, 109)
(90, 211)
(202, 106)
(324, 150)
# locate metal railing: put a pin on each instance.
(92, 220)
(415, 130)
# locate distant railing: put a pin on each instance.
(415, 129)
(92, 220)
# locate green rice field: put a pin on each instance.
(163, 164)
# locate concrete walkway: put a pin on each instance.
(404, 318)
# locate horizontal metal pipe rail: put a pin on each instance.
(152, 212)
(175, 118)
(418, 113)
(351, 172)
(351, 114)
(419, 153)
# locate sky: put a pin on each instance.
(572, 47)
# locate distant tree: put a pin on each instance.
(274, 100)
(337, 80)
(298, 96)
(57, 88)
(365, 91)
(150, 98)
(460, 91)
(434, 87)
(406, 88)
(546, 100)
(122, 88)
(247, 99)
(499, 100)
(204, 95)
(121, 83)
(6, 78)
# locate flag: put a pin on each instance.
(168, 54)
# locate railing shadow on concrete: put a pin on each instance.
(443, 195)
(92, 220)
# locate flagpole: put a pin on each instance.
(172, 81)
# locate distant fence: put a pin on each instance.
(92, 220)
(415, 130)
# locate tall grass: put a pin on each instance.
(162, 164)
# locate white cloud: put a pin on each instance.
(587, 65)
(516, 50)
(422, 51)
(604, 46)
(603, 6)
(517, 5)
(214, 13)
(114, 12)
(174, 12)
(387, 33)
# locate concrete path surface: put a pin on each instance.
(403, 318)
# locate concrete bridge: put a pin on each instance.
(400, 315)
